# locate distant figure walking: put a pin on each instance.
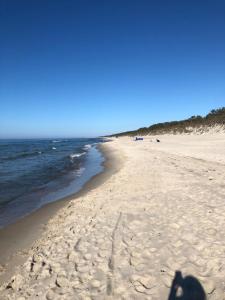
(139, 138)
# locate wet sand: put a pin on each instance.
(162, 211)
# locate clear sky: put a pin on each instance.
(84, 68)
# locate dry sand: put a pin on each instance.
(162, 211)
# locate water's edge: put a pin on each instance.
(14, 211)
(17, 238)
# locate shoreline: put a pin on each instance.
(158, 215)
(17, 238)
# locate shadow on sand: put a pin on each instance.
(187, 288)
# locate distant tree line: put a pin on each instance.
(214, 117)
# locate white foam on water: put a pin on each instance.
(88, 146)
(74, 155)
(56, 141)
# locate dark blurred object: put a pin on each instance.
(139, 138)
(187, 288)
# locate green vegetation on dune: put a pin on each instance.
(213, 118)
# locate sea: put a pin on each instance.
(39, 171)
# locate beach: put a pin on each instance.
(158, 209)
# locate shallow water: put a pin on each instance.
(36, 172)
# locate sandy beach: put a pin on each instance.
(161, 210)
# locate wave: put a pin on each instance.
(53, 148)
(88, 146)
(56, 141)
(21, 155)
(74, 155)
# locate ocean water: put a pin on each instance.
(36, 172)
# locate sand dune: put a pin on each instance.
(162, 211)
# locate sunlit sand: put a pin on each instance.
(161, 212)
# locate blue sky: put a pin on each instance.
(86, 68)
